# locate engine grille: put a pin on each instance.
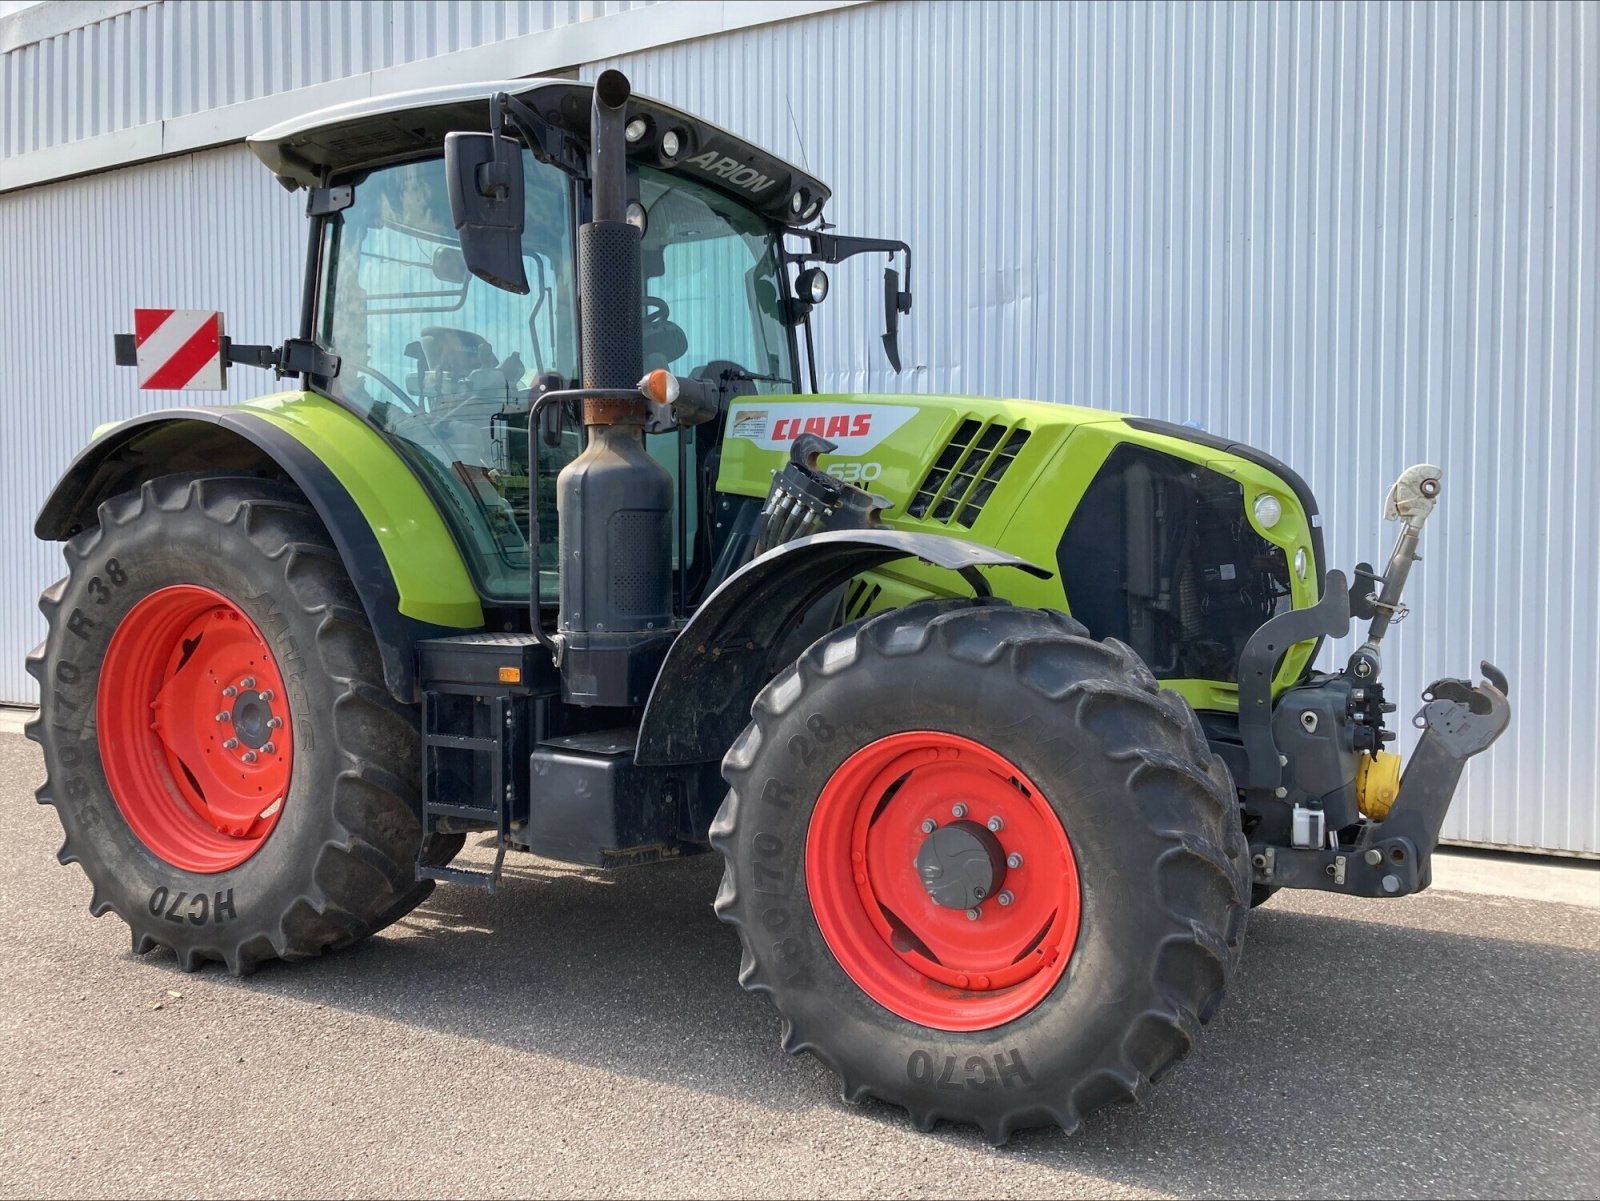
(967, 472)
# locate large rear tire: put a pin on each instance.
(1071, 978)
(227, 765)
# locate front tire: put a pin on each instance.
(227, 765)
(964, 717)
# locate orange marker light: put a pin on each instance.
(511, 675)
(660, 386)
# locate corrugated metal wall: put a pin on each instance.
(1357, 235)
(205, 231)
(172, 59)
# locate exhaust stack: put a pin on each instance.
(614, 501)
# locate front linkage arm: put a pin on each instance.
(1392, 858)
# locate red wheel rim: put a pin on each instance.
(194, 729)
(930, 963)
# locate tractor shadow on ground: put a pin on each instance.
(1353, 1056)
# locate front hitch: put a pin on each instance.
(1393, 857)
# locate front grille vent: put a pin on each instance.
(967, 472)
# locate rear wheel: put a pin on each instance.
(227, 765)
(985, 869)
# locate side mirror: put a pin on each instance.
(484, 172)
(895, 302)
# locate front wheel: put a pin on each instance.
(985, 869)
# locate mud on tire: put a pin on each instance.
(338, 864)
(1150, 813)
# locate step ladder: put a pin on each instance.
(478, 696)
(442, 788)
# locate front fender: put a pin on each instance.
(401, 558)
(724, 657)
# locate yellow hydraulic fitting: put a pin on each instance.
(1378, 783)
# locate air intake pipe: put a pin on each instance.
(614, 501)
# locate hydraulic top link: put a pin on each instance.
(1410, 501)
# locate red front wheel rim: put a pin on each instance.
(194, 729)
(868, 860)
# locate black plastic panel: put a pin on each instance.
(1161, 555)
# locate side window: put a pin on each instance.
(446, 364)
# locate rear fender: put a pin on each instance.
(401, 558)
(728, 651)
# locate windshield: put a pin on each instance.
(446, 365)
(712, 283)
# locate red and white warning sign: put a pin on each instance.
(179, 348)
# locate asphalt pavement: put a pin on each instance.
(584, 1035)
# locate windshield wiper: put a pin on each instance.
(737, 372)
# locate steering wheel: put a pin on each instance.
(664, 342)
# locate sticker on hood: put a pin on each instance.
(856, 428)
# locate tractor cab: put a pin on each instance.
(447, 365)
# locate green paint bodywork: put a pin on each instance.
(1028, 510)
(1026, 513)
(428, 571)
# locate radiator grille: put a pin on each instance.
(967, 472)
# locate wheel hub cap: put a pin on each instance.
(961, 865)
(251, 713)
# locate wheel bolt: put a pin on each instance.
(230, 692)
(958, 809)
(230, 744)
(266, 694)
(249, 756)
(995, 825)
(973, 915)
(274, 723)
(224, 716)
(1013, 861)
(248, 682)
(1005, 897)
(268, 748)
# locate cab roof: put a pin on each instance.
(363, 134)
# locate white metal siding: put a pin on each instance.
(206, 231)
(1356, 235)
(172, 59)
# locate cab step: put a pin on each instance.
(475, 742)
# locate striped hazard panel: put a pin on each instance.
(179, 348)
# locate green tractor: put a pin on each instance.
(1001, 714)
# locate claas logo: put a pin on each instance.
(840, 425)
